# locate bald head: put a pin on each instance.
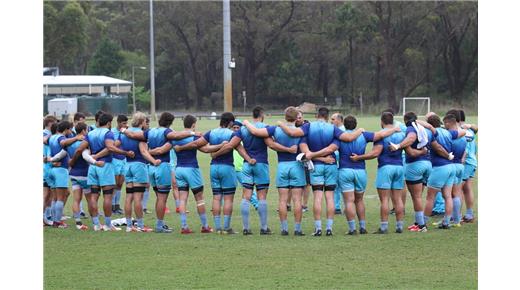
(430, 114)
(337, 119)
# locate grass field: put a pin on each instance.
(100, 260)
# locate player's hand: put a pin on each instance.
(198, 134)
(130, 154)
(80, 137)
(394, 147)
(46, 159)
(56, 164)
(466, 126)
(156, 162)
(308, 155)
(397, 129)
(279, 123)
(245, 122)
(224, 143)
(354, 157)
(176, 148)
(362, 130)
(293, 149)
(100, 163)
(329, 159)
(252, 161)
(213, 155)
(451, 156)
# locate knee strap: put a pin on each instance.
(197, 190)
(330, 187)
(317, 187)
(108, 191)
(139, 189)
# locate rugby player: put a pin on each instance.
(119, 162)
(470, 166)
(48, 123)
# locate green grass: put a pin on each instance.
(98, 260)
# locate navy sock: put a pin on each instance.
(244, 209)
(146, 196)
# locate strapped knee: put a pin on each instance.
(331, 187)
(248, 185)
(94, 190)
(197, 190)
(129, 190)
(108, 191)
(317, 187)
(139, 189)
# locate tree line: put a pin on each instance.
(285, 52)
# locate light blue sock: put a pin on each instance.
(81, 207)
(159, 224)
(53, 204)
(227, 221)
(129, 222)
(262, 211)
(203, 220)
(317, 224)
(352, 225)
(384, 226)
(362, 224)
(254, 199)
(77, 217)
(108, 221)
(399, 225)
(469, 213)
(116, 196)
(177, 202)
(48, 212)
(184, 223)
(216, 220)
(146, 196)
(329, 224)
(58, 211)
(244, 209)
(298, 227)
(446, 220)
(95, 220)
(456, 210)
(419, 218)
(426, 219)
(140, 222)
(285, 226)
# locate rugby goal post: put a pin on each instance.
(420, 106)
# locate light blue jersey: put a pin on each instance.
(217, 136)
(471, 148)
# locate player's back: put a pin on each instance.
(217, 136)
(458, 148)
(445, 139)
(130, 144)
(157, 137)
(282, 138)
(414, 145)
(388, 157)
(186, 158)
(80, 167)
(117, 136)
(320, 135)
(255, 146)
(471, 148)
(358, 146)
(46, 149)
(55, 148)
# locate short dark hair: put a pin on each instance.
(387, 118)
(104, 119)
(98, 114)
(122, 118)
(409, 117)
(166, 119)
(78, 116)
(449, 118)
(49, 119)
(258, 112)
(350, 122)
(435, 121)
(462, 115)
(63, 125)
(455, 113)
(54, 128)
(226, 118)
(389, 110)
(323, 112)
(189, 120)
(80, 127)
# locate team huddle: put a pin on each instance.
(328, 157)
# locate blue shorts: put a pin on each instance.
(324, 174)
(459, 173)
(46, 173)
(418, 171)
(255, 174)
(136, 172)
(223, 179)
(290, 174)
(59, 177)
(101, 176)
(79, 182)
(119, 166)
(161, 176)
(352, 179)
(390, 177)
(469, 172)
(239, 177)
(188, 177)
(442, 176)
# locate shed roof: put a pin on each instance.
(63, 80)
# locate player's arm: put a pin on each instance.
(427, 126)
(91, 160)
(60, 155)
(192, 145)
(279, 147)
(67, 141)
(242, 151)
(137, 135)
(381, 134)
(440, 150)
(143, 148)
(212, 148)
(322, 153)
(376, 151)
(109, 143)
(258, 132)
(82, 146)
(46, 139)
(174, 135)
(415, 152)
(101, 153)
(328, 159)
(350, 136)
(471, 126)
(233, 143)
(161, 150)
(293, 132)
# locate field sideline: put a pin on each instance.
(98, 260)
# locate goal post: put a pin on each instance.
(420, 106)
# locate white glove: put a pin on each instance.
(451, 156)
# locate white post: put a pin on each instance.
(133, 90)
(152, 66)
(228, 95)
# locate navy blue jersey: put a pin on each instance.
(117, 136)
(96, 142)
(388, 157)
(255, 146)
(157, 137)
(80, 167)
(186, 158)
(411, 130)
(217, 136)
(358, 146)
(55, 147)
(280, 137)
(129, 144)
(318, 135)
(445, 139)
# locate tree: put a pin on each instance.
(107, 60)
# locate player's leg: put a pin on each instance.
(296, 195)
(383, 210)
(360, 211)
(61, 188)
(198, 193)
(176, 192)
(457, 194)
(77, 195)
(108, 192)
(289, 198)
(47, 215)
(337, 199)
(160, 206)
(120, 179)
(93, 210)
(228, 182)
(216, 187)
(138, 192)
(306, 191)
(346, 183)
(247, 191)
(283, 192)
(183, 196)
(129, 199)
(467, 188)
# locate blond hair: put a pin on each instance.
(138, 119)
(291, 114)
